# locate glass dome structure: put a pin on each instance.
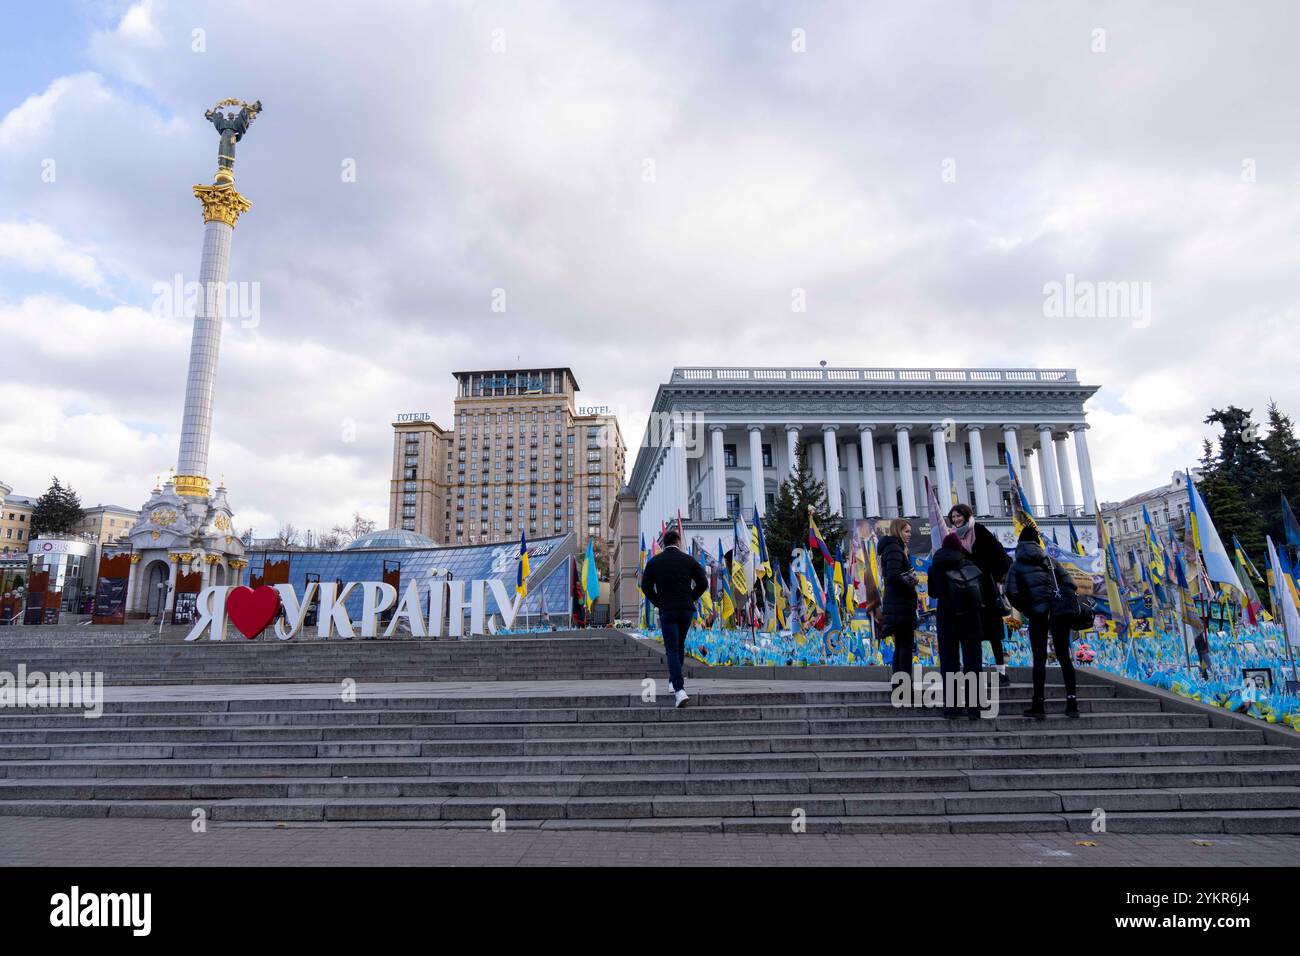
(391, 539)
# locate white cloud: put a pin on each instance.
(36, 247)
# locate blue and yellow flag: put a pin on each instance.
(521, 576)
(1158, 566)
(1075, 544)
(1243, 561)
(762, 564)
(1290, 527)
(728, 606)
(1118, 606)
(590, 576)
(1021, 514)
(1214, 556)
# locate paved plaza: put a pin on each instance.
(99, 842)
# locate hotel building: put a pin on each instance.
(521, 455)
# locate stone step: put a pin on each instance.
(869, 716)
(847, 813)
(990, 769)
(1198, 746)
(889, 734)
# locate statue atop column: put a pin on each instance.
(232, 127)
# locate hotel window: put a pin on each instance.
(729, 456)
(1002, 453)
(767, 456)
(733, 503)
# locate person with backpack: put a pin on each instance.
(898, 603)
(1043, 593)
(988, 554)
(956, 584)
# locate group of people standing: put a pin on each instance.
(972, 580)
(975, 585)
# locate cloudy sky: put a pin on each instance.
(648, 182)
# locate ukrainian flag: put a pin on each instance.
(1075, 544)
(1021, 516)
(763, 566)
(590, 577)
(521, 576)
(728, 605)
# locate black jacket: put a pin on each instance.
(898, 603)
(673, 580)
(1034, 580)
(949, 623)
(991, 558)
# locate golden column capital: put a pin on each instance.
(222, 203)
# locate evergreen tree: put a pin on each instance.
(785, 526)
(1282, 452)
(58, 511)
(1234, 484)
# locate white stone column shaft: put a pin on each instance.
(1063, 468)
(979, 478)
(719, 473)
(1051, 477)
(855, 485)
(867, 441)
(205, 344)
(756, 468)
(906, 477)
(939, 438)
(1089, 490)
(832, 452)
(888, 473)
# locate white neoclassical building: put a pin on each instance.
(722, 439)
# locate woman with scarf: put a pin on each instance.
(991, 558)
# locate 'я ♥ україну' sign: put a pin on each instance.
(253, 609)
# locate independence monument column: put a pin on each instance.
(222, 206)
(184, 539)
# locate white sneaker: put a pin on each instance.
(681, 699)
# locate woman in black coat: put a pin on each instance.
(898, 602)
(955, 586)
(1034, 586)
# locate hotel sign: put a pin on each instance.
(414, 417)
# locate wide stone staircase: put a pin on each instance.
(580, 655)
(827, 757)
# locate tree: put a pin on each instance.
(1239, 480)
(58, 511)
(1282, 451)
(359, 528)
(600, 550)
(327, 540)
(785, 526)
(287, 537)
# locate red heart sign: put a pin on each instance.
(252, 610)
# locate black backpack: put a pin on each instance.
(964, 588)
